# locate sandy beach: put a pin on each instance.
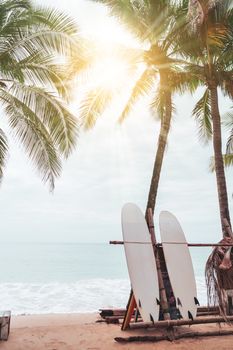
(81, 332)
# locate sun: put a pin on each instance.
(111, 72)
(113, 47)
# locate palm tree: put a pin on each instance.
(32, 86)
(210, 62)
(155, 24)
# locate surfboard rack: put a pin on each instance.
(131, 318)
(158, 245)
(115, 315)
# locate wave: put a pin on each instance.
(78, 297)
(83, 296)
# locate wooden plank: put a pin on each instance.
(114, 318)
(171, 323)
(189, 244)
(129, 312)
(207, 313)
(207, 308)
(5, 318)
(119, 312)
(155, 338)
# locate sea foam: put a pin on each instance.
(79, 297)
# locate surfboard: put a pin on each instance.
(141, 262)
(179, 265)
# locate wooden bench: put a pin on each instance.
(5, 319)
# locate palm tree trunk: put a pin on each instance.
(219, 167)
(162, 142)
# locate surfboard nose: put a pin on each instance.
(130, 212)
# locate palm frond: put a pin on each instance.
(202, 114)
(52, 112)
(31, 39)
(41, 30)
(226, 83)
(147, 20)
(160, 102)
(83, 57)
(13, 15)
(177, 24)
(229, 146)
(54, 20)
(35, 138)
(93, 105)
(227, 160)
(228, 123)
(130, 13)
(39, 69)
(227, 120)
(141, 88)
(183, 81)
(3, 152)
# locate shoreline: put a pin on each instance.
(81, 332)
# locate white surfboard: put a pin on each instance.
(179, 264)
(141, 262)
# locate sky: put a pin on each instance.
(112, 165)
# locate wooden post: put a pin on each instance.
(129, 311)
(227, 227)
(163, 296)
(5, 318)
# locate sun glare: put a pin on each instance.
(112, 63)
(104, 27)
(111, 73)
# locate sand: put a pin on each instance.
(81, 332)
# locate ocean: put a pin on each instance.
(41, 278)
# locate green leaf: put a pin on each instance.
(142, 87)
(35, 138)
(202, 114)
(227, 160)
(228, 123)
(32, 39)
(93, 105)
(61, 124)
(3, 152)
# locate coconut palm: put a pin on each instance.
(209, 51)
(155, 24)
(32, 86)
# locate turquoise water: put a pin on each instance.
(66, 262)
(45, 278)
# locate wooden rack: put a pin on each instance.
(129, 316)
